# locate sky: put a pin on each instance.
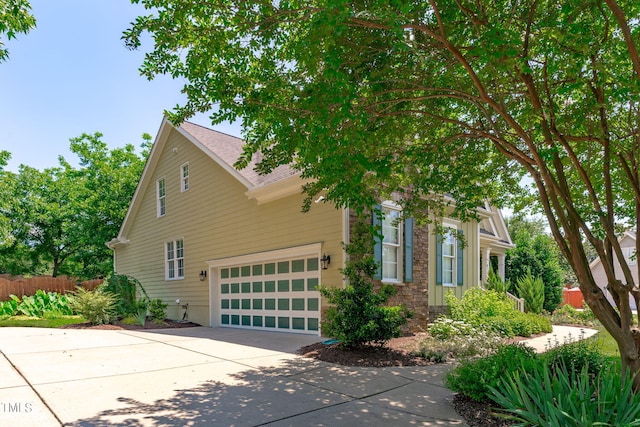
(72, 75)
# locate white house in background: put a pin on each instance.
(628, 245)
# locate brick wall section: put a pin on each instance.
(414, 295)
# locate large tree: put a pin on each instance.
(435, 97)
(60, 218)
(15, 17)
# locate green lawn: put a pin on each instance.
(606, 342)
(38, 322)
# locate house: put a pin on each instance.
(232, 248)
(628, 246)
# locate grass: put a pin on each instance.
(38, 322)
(606, 343)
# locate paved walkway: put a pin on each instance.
(561, 335)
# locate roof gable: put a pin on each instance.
(222, 148)
(493, 226)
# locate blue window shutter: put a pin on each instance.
(460, 260)
(438, 259)
(408, 249)
(377, 240)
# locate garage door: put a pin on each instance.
(278, 295)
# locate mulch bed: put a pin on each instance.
(478, 414)
(167, 324)
(377, 357)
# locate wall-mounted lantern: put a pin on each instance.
(325, 261)
(203, 275)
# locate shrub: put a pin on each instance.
(356, 316)
(141, 316)
(98, 306)
(495, 283)
(444, 328)
(577, 357)
(157, 309)
(532, 291)
(9, 308)
(474, 377)
(567, 314)
(477, 305)
(129, 320)
(477, 343)
(541, 397)
(39, 304)
(526, 324)
(458, 339)
(493, 311)
(127, 290)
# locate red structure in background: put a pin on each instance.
(573, 297)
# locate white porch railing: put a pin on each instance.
(518, 303)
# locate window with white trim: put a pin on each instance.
(449, 258)
(630, 256)
(161, 196)
(174, 259)
(184, 177)
(391, 244)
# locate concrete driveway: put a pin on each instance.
(203, 376)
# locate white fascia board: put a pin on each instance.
(152, 161)
(495, 242)
(114, 243)
(277, 190)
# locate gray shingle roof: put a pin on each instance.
(229, 148)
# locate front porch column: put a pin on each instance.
(501, 259)
(486, 265)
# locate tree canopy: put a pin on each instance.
(15, 17)
(431, 98)
(57, 221)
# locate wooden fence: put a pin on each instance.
(20, 286)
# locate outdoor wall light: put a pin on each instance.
(325, 260)
(203, 275)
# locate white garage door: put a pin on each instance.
(277, 295)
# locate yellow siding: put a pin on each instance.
(471, 265)
(216, 220)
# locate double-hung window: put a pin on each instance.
(184, 177)
(161, 197)
(174, 259)
(449, 257)
(393, 248)
(391, 244)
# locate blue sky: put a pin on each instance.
(73, 75)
